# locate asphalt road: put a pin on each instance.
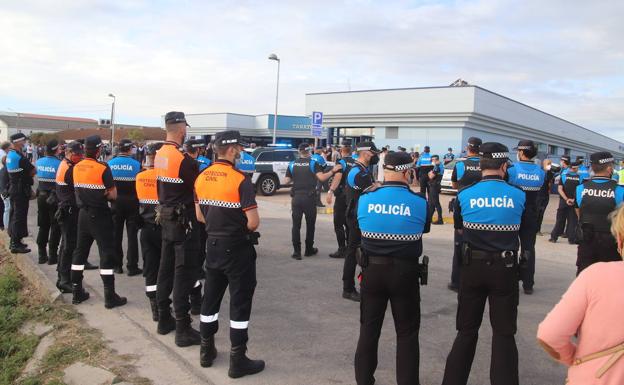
(307, 333)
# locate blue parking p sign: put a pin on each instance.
(317, 118)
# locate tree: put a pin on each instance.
(136, 135)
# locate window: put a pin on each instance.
(566, 151)
(552, 150)
(265, 157)
(276, 156)
(542, 147)
(392, 132)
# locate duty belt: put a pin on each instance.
(380, 260)
(492, 255)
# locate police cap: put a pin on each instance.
(494, 150)
(52, 145)
(398, 161)
(18, 137)
(525, 145)
(565, 158)
(304, 147)
(174, 117)
(227, 137)
(76, 147)
(125, 144)
(93, 142)
(576, 164)
(152, 148)
(602, 157)
(474, 142)
(366, 146)
(195, 143)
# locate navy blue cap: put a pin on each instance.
(18, 137)
(398, 161)
(223, 138)
(93, 142)
(602, 157)
(494, 150)
(175, 117)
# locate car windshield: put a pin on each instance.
(450, 165)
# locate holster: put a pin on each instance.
(60, 215)
(253, 237)
(175, 227)
(361, 258)
(52, 199)
(466, 254)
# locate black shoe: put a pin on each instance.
(154, 308)
(185, 335)
(64, 286)
(196, 300)
(338, 253)
(453, 287)
(132, 271)
(112, 299)
(311, 251)
(438, 222)
(528, 291)
(79, 294)
(52, 260)
(207, 352)
(296, 255)
(166, 323)
(19, 249)
(241, 365)
(564, 236)
(552, 240)
(89, 266)
(118, 270)
(351, 295)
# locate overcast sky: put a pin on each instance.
(64, 57)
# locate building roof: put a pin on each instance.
(149, 133)
(36, 122)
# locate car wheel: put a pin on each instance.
(267, 184)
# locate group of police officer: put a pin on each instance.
(198, 221)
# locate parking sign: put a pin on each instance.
(316, 130)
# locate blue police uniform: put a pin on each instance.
(204, 162)
(584, 172)
(340, 207)
(596, 198)
(566, 214)
(126, 211)
(448, 157)
(246, 163)
(319, 162)
(20, 172)
(392, 219)
(530, 178)
(490, 214)
(49, 229)
(424, 165)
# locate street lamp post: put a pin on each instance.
(274, 57)
(112, 121)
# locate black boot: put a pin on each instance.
(166, 323)
(43, 255)
(351, 295)
(79, 294)
(297, 252)
(89, 266)
(196, 300)
(185, 334)
(207, 352)
(18, 248)
(310, 250)
(132, 271)
(112, 299)
(338, 253)
(53, 259)
(241, 365)
(154, 307)
(63, 284)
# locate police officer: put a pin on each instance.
(596, 198)
(318, 158)
(226, 204)
(67, 213)
(179, 260)
(359, 178)
(150, 236)
(449, 156)
(543, 196)
(126, 207)
(94, 187)
(193, 147)
(392, 219)
(203, 160)
(424, 166)
(529, 177)
(435, 187)
(246, 164)
(21, 173)
(465, 172)
(561, 217)
(338, 190)
(47, 204)
(489, 213)
(583, 169)
(305, 173)
(568, 182)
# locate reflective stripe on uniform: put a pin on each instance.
(167, 179)
(14, 170)
(239, 324)
(90, 186)
(77, 267)
(208, 318)
(392, 237)
(490, 227)
(211, 202)
(151, 288)
(124, 178)
(149, 201)
(52, 180)
(106, 271)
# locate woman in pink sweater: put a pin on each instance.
(593, 310)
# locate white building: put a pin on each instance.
(443, 117)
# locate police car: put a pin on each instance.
(447, 184)
(271, 166)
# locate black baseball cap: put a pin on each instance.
(93, 142)
(125, 144)
(52, 145)
(195, 143)
(602, 157)
(366, 146)
(576, 164)
(494, 150)
(76, 147)
(18, 137)
(223, 138)
(525, 145)
(152, 148)
(565, 158)
(175, 117)
(398, 161)
(304, 147)
(474, 142)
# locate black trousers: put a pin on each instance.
(340, 219)
(350, 262)
(457, 258)
(528, 235)
(483, 281)
(434, 199)
(94, 224)
(542, 204)
(49, 229)
(602, 248)
(18, 226)
(565, 214)
(178, 266)
(303, 204)
(398, 284)
(69, 236)
(229, 262)
(151, 244)
(2, 208)
(126, 212)
(423, 181)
